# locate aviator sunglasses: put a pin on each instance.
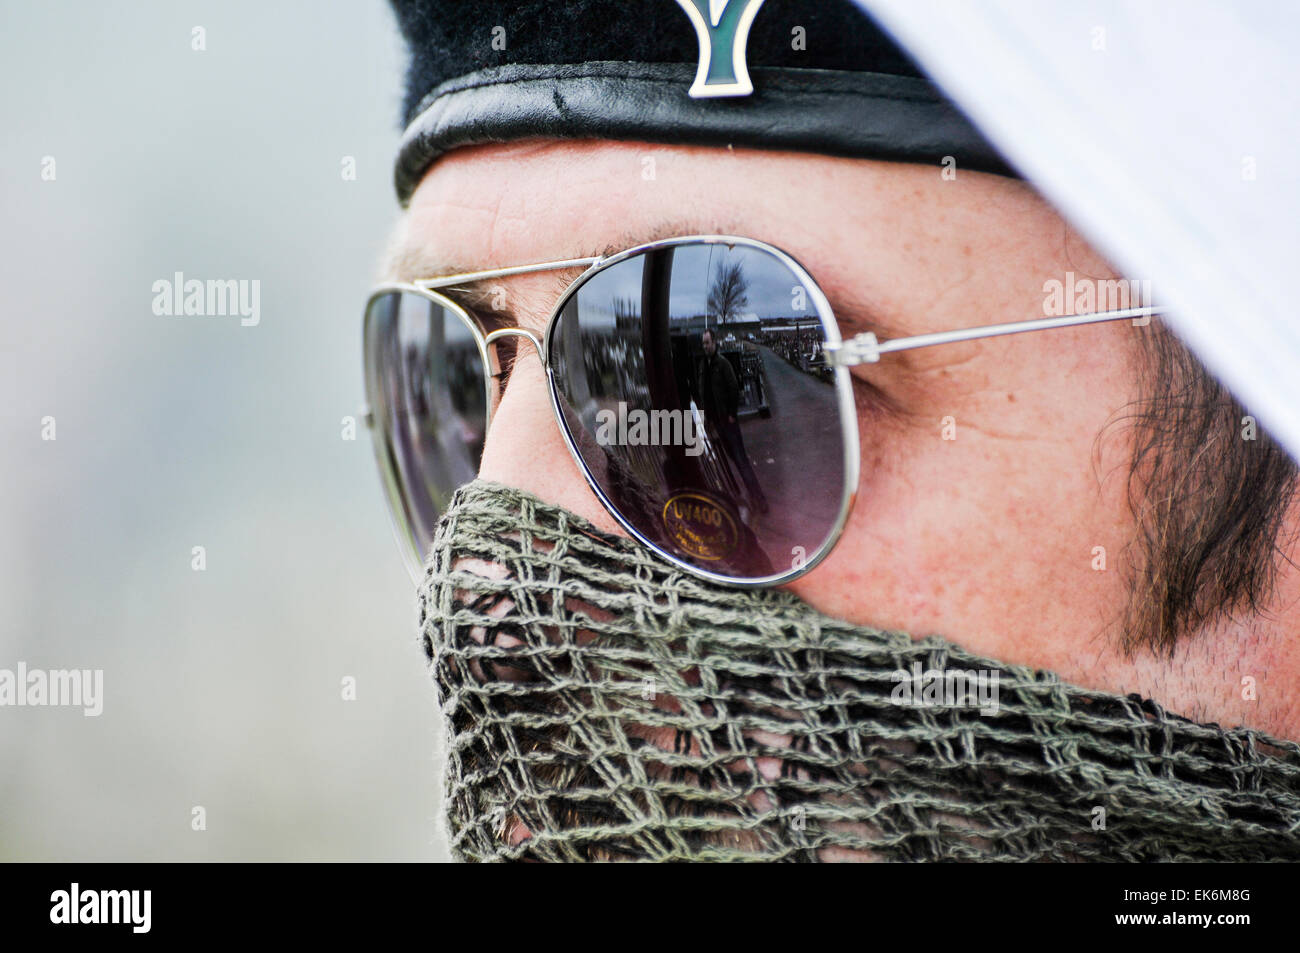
(700, 383)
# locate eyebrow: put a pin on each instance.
(412, 261)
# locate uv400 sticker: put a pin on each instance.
(701, 527)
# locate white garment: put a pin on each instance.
(1166, 131)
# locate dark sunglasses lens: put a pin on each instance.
(426, 385)
(693, 383)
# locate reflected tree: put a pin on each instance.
(728, 292)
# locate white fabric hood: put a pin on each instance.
(1166, 131)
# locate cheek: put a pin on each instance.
(988, 538)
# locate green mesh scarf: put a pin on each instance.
(601, 705)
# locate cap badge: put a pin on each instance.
(722, 27)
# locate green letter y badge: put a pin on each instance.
(722, 27)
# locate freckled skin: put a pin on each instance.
(986, 539)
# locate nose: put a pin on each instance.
(525, 448)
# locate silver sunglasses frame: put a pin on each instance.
(840, 355)
(403, 529)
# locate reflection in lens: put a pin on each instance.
(425, 384)
(693, 382)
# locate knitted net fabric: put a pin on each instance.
(602, 705)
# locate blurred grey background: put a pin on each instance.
(222, 688)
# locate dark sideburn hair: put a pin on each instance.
(1210, 503)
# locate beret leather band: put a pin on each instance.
(830, 111)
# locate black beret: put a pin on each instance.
(824, 79)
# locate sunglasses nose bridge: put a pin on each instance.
(500, 333)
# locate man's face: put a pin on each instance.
(707, 340)
(991, 470)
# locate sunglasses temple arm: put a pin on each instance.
(865, 349)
